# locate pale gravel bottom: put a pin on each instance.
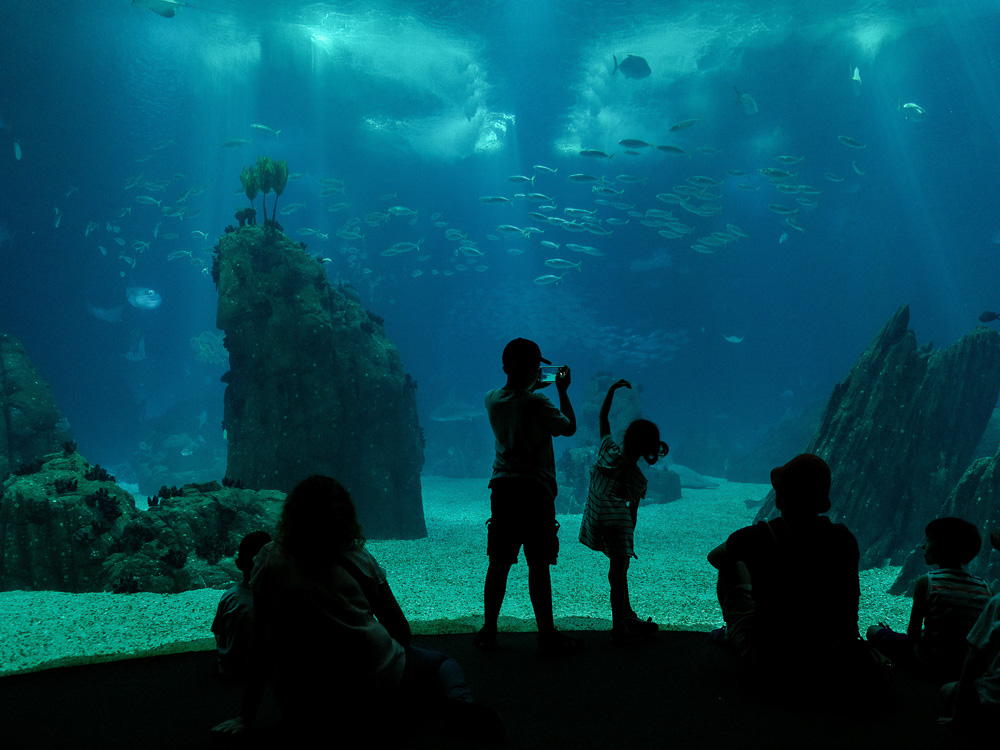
(439, 584)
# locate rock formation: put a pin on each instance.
(976, 498)
(69, 527)
(900, 430)
(780, 442)
(30, 423)
(315, 386)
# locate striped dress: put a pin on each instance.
(955, 600)
(607, 524)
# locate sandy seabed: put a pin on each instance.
(438, 581)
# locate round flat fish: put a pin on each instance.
(632, 66)
(143, 298)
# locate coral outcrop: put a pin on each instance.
(60, 531)
(315, 385)
(31, 425)
(900, 430)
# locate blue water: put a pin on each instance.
(438, 104)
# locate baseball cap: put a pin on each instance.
(523, 352)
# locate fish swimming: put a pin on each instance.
(913, 112)
(594, 153)
(165, 8)
(748, 102)
(634, 143)
(734, 339)
(850, 142)
(143, 297)
(632, 66)
(691, 479)
(548, 279)
(265, 128)
(560, 263)
(107, 314)
(683, 125)
(138, 352)
(349, 291)
(17, 150)
(586, 249)
(989, 317)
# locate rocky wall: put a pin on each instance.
(70, 527)
(31, 425)
(976, 498)
(900, 430)
(314, 386)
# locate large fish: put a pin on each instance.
(456, 411)
(165, 8)
(138, 351)
(143, 297)
(632, 66)
(108, 314)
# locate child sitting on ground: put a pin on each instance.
(975, 699)
(946, 603)
(233, 624)
(609, 518)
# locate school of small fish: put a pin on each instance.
(550, 223)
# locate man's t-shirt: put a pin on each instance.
(804, 583)
(524, 424)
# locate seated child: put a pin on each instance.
(233, 622)
(946, 603)
(975, 698)
(609, 518)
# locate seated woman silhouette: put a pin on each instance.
(330, 636)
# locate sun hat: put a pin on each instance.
(803, 483)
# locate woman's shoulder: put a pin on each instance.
(366, 563)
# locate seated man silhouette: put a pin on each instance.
(789, 587)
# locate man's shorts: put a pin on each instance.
(523, 513)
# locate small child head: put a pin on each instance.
(642, 438)
(249, 548)
(955, 541)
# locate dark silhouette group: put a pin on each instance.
(315, 617)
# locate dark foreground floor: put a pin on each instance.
(676, 692)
